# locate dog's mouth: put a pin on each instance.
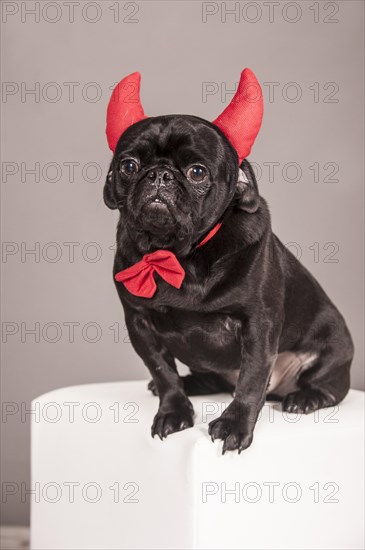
(156, 203)
(163, 219)
(157, 214)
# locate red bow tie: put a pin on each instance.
(139, 280)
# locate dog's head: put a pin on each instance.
(172, 177)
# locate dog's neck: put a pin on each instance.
(239, 230)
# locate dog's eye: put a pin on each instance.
(129, 167)
(197, 173)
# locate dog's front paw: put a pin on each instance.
(233, 429)
(169, 422)
(306, 401)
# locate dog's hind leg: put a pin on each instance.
(201, 384)
(318, 375)
(324, 384)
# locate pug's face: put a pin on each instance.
(171, 177)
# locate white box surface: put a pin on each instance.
(101, 481)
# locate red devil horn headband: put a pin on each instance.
(240, 120)
(124, 108)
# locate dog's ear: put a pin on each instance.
(247, 193)
(108, 193)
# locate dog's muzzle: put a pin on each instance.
(162, 185)
(160, 190)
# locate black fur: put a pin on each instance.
(245, 297)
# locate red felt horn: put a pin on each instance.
(124, 108)
(241, 120)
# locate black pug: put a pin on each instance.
(247, 318)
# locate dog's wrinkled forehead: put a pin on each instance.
(178, 139)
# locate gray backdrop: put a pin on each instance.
(62, 323)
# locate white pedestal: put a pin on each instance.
(101, 481)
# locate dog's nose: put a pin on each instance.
(160, 175)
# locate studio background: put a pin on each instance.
(308, 155)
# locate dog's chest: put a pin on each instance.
(200, 340)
